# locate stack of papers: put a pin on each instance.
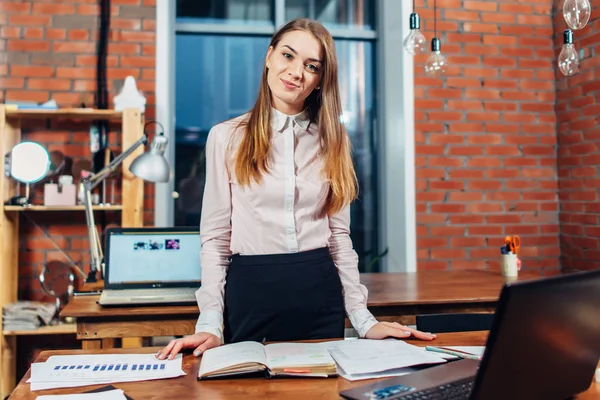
(83, 370)
(116, 394)
(27, 315)
(368, 359)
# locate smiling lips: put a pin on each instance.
(288, 84)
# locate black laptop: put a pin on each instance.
(544, 344)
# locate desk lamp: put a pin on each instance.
(150, 166)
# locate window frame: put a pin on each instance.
(395, 115)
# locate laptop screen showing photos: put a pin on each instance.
(152, 258)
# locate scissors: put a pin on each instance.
(513, 243)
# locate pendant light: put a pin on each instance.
(568, 60)
(436, 63)
(415, 42)
(577, 13)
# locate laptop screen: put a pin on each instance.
(151, 257)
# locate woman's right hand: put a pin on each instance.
(201, 341)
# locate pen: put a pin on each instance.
(452, 352)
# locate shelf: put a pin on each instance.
(72, 113)
(62, 208)
(60, 329)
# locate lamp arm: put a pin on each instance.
(97, 178)
(96, 254)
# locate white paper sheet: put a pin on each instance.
(74, 371)
(366, 356)
(116, 394)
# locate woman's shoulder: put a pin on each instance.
(224, 131)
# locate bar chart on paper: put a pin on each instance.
(71, 371)
(109, 367)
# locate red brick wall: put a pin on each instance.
(47, 51)
(578, 108)
(486, 136)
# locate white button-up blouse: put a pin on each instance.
(282, 214)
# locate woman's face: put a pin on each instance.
(294, 70)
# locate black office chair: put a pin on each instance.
(441, 323)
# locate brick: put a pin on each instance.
(481, 5)
(33, 33)
(53, 59)
(135, 36)
(31, 71)
(128, 24)
(85, 9)
(28, 45)
(74, 47)
(35, 20)
(75, 22)
(480, 27)
(11, 83)
(498, 18)
(79, 34)
(10, 32)
(144, 12)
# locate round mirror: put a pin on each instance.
(29, 162)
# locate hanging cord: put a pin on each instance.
(414, 5)
(56, 246)
(434, 18)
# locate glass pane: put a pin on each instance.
(356, 76)
(334, 14)
(234, 12)
(217, 78)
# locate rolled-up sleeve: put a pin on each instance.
(346, 260)
(215, 234)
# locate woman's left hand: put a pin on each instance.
(383, 330)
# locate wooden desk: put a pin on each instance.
(188, 387)
(392, 297)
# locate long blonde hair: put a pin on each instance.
(324, 108)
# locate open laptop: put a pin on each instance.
(151, 266)
(544, 344)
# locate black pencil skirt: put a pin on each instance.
(283, 297)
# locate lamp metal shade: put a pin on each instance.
(152, 165)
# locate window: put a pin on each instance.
(219, 51)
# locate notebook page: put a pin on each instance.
(230, 355)
(286, 355)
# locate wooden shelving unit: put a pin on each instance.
(61, 208)
(60, 329)
(64, 113)
(132, 125)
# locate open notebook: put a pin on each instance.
(289, 359)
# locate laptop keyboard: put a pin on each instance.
(151, 292)
(459, 390)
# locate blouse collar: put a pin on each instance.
(280, 120)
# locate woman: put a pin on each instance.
(277, 258)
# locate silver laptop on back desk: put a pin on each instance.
(151, 266)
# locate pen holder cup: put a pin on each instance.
(509, 266)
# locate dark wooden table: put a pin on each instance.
(188, 387)
(392, 297)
